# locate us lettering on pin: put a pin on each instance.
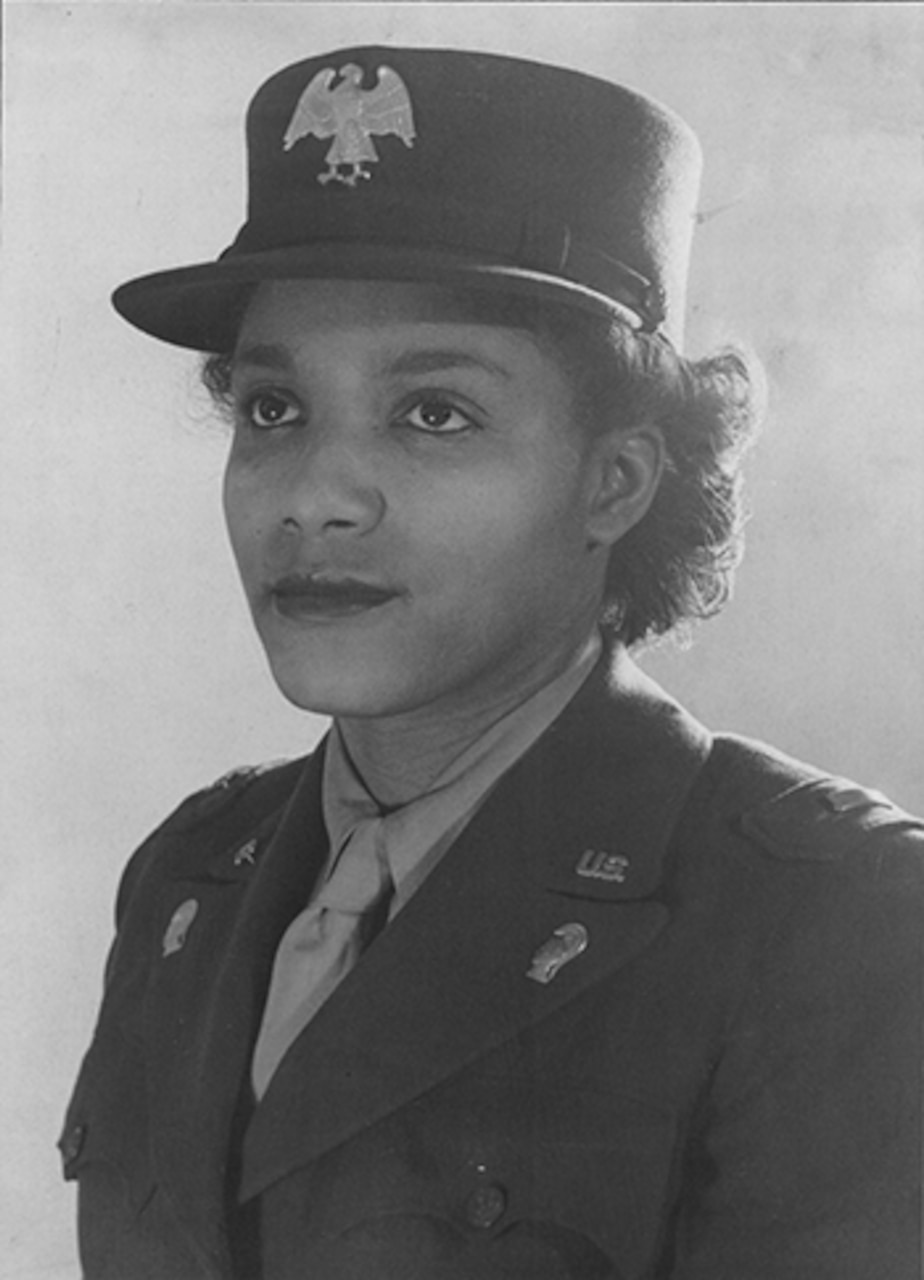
(595, 864)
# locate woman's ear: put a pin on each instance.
(629, 465)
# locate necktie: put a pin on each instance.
(322, 944)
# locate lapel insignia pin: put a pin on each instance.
(177, 929)
(246, 854)
(568, 941)
(596, 865)
(351, 115)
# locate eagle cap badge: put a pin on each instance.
(351, 116)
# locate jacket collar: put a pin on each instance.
(221, 835)
(248, 872)
(576, 833)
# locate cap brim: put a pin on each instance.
(201, 307)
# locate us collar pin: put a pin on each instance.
(246, 854)
(351, 115)
(567, 942)
(594, 864)
(177, 929)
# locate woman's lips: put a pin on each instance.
(308, 596)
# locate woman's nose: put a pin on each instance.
(332, 487)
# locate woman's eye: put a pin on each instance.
(437, 416)
(268, 409)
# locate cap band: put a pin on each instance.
(501, 238)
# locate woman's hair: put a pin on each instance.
(677, 564)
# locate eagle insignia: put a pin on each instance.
(351, 115)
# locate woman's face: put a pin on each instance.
(409, 501)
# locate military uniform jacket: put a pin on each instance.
(723, 1085)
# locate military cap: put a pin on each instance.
(461, 168)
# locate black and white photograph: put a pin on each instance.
(463, 475)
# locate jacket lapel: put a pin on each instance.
(575, 834)
(204, 1005)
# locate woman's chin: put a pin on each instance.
(335, 693)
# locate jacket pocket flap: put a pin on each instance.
(106, 1121)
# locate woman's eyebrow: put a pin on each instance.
(271, 356)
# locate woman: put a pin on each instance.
(523, 973)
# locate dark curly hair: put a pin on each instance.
(677, 564)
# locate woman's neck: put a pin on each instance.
(400, 757)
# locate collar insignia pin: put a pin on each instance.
(177, 929)
(567, 942)
(594, 864)
(351, 115)
(246, 854)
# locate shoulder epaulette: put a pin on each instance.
(823, 819)
(222, 794)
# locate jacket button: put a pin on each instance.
(72, 1143)
(485, 1205)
